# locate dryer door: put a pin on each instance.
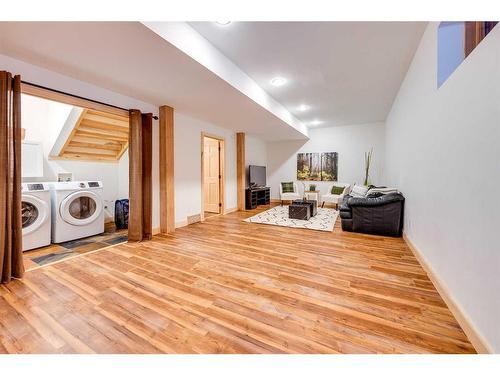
(81, 208)
(35, 212)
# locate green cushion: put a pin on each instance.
(337, 190)
(287, 187)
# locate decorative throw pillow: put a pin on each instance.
(359, 191)
(337, 190)
(384, 190)
(287, 187)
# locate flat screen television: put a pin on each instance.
(257, 175)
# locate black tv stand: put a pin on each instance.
(257, 196)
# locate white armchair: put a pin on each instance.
(289, 196)
(335, 198)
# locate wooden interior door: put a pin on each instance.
(211, 175)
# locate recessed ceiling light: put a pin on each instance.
(223, 23)
(278, 81)
(315, 122)
(303, 107)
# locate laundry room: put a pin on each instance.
(74, 179)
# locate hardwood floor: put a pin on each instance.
(226, 286)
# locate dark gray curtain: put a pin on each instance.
(11, 255)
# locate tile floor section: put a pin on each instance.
(56, 252)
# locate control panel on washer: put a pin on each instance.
(35, 187)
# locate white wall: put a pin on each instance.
(443, 152)
(43, 120)
(351, 142)
(123, 176)
(255, 153)
(187, 164)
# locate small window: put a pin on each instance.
(456, 40)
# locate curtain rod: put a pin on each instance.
(77, 96)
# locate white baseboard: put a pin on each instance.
(178, 224)
(182, 223)
(476, 339)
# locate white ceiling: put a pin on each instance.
(348, 72)
(130, 59)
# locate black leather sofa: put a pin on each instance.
(380, 214)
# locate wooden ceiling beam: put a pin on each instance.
(101, 134)
(111, 133)
(97, 140)
(85, 150)
(103, 126)
(109, 115)
(85, 157)
(99, 118)
(115, 147)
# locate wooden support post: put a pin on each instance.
(135, 177)
(167, 203)
(147, 176)
(240, 169)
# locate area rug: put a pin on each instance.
(324, 219)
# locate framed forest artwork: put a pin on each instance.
(329, 166)
(315, 166)
(309, 166)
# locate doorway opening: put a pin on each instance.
(74, 176)
(212, 175)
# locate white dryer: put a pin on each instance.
(35, 215)
(77, 210)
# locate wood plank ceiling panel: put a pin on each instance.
(97, 136)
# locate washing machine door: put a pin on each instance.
(81, 208)
(34, 212)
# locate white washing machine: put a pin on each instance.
(35, 215)
(77, 210)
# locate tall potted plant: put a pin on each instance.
(368, 161)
